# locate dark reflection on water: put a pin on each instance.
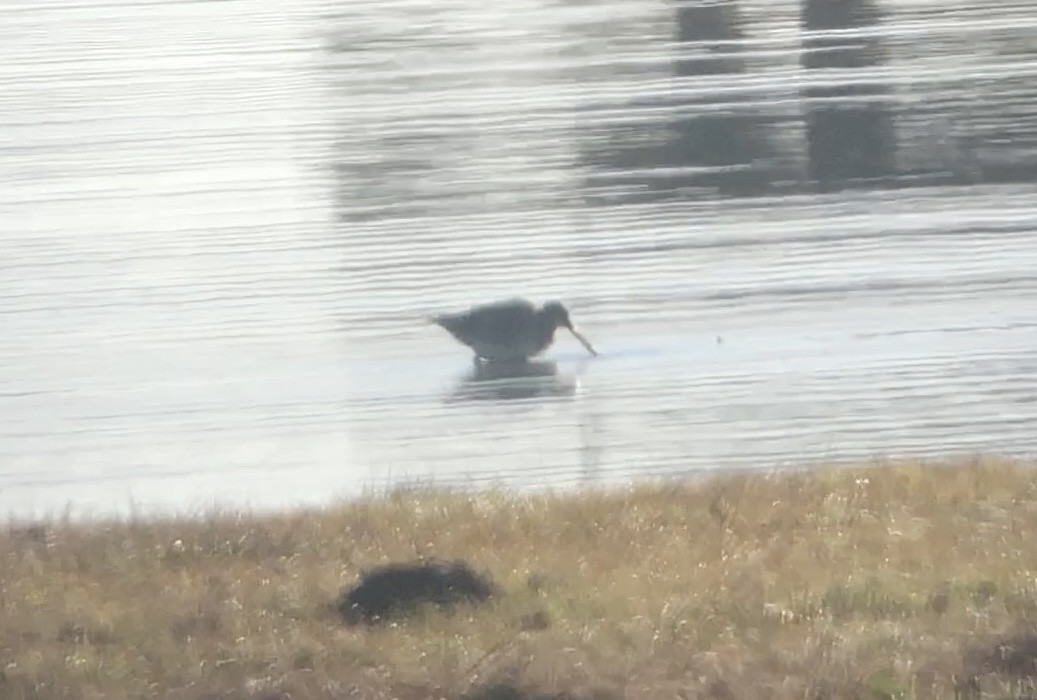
(711, 143)
(510, 381)
(850, 125)
(725, 134)
(706, 110)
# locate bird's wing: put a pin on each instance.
(500, 320)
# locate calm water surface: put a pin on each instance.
(223, 224)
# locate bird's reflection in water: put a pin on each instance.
(508, 381)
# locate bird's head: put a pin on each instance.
(557, 316)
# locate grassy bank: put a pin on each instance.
(903, 581)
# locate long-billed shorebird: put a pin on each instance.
(509, 330)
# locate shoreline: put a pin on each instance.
(891, 579)
(131, 511)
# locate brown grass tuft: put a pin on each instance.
(904, 580)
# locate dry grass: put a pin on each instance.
(895, 581)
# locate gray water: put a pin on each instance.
(222, 223)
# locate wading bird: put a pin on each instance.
(511, 330)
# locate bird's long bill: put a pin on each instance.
(586, 343)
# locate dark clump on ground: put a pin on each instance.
(1015, 656)
(399, 589)
(986, 663)
(509, 691)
